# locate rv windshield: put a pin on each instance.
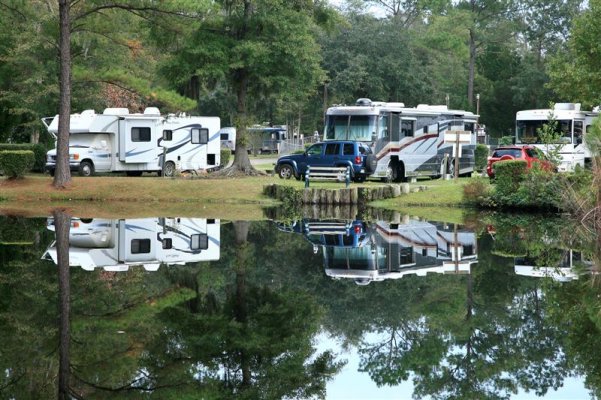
(527, 131)
(351, 127)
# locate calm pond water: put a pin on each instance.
(501, 306)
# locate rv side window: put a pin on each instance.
(406, 128)
(200, 136)
(199, 242)
(225, 136)
(140, 246)
(140, 134)
(167, 134)
(167, 243)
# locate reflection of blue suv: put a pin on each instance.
(335, 153)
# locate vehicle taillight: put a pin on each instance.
(358, 160)
(357, 229)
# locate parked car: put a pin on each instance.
(335, 153)
(530, 154)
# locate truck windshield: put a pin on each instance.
(350, 127)
(527, 132)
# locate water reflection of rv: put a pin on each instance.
(115, 244)
(385, 250)
(413, 247)
(564, 271)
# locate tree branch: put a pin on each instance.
(131, 9)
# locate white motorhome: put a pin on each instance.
(408, 142)
(117, 244)
(117, 141)
(227, 136)
(572, 123)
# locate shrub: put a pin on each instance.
(39, 151)
(15, 163)
(540, 189)
(225, 156)
(508, 176)
(477, 192)
(481, 156)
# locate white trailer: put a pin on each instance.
(117, 244)
(572, 124)
(117, 141)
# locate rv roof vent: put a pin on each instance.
(152, 111)
(363, 102)
(115, 111)
(395, 104)
(427, 107)
(567, 106)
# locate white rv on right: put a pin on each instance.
(572, 122)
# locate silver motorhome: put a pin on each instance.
(407, 141)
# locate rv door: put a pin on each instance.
(137, 240)
(138, 141)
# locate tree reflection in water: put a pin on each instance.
(242, 326)
(62, 224)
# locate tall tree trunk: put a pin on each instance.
(62, 174)
(62, 223)
(241, 159)
(472, 69)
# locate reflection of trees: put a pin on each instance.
(217, 330)
(492, 337)
(251, 343)
(62, 224)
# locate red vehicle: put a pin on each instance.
(530, 154)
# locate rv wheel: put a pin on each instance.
(86, 168)
(169, 169)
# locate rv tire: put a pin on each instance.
(391, 173)
(169, 169)
(86, 168)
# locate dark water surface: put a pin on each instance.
(501, 306)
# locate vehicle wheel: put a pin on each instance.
(133, 173)
(86, 220)
(285, 171)
(86, 168)
(391, 173)
(51, 172)
(169, 169)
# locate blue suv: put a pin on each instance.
(335, 153)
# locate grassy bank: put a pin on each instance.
(224, 198)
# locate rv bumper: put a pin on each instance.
(50, 168)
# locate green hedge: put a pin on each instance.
(39, 151)
(225, 157)
(509, 174)
(481, 156)
(15, 163)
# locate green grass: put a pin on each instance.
(234, 198)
